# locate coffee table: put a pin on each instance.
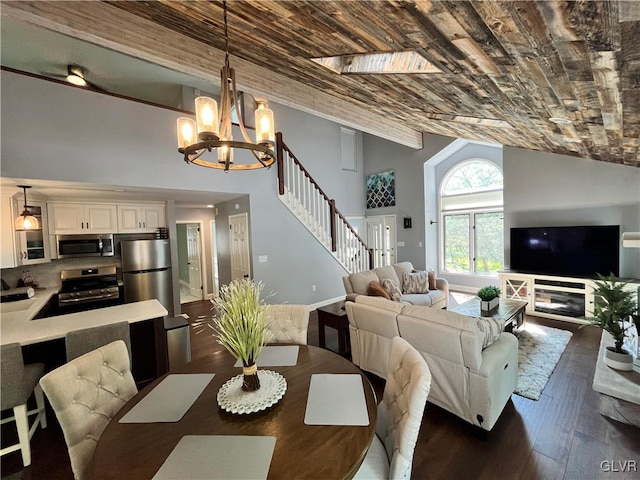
(511, 311)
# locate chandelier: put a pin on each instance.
(211, 130)
(25, 221)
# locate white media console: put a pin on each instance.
(561, 298)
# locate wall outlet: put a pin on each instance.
(262, 259)
(401, 244)
(419, 244)
(313, 288)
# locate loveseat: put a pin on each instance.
(359, 284)
(474, 369)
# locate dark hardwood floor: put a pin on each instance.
(560, 436)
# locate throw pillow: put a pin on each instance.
(415, 282)
(490, 328)
(394, 290)
(377, 290)
(432, 280)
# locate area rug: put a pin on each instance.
(539, 350)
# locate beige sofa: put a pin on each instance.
(358, 284)
(467, 380)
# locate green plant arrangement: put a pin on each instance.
(488, 293)
(612, 307)
(240, 326)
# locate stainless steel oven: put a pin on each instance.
(97, 245)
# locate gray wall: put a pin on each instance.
(544, 189)
(381, 155)
(84, 136)
(539, 189)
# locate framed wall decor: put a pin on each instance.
(381, 189)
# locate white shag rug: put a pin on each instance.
(539, 350)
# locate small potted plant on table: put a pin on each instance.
(489, 298)
(613, 309)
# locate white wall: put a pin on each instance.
(55, 132)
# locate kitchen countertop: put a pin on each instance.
(16, 324)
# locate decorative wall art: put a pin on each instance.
(381, 189)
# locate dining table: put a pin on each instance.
(303, 448)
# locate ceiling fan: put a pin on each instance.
(76, 75)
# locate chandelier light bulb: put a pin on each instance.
(207, 118)
(186, 132)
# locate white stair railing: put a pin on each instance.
(306, 200)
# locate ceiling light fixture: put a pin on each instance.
(212, 128)
(75, 75)
(26, 221)
(560, 120)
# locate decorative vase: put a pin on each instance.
(618, 361)
(250, 379)
(490, 305)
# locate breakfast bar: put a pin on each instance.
(42, 340)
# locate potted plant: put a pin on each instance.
(489, 298)
(613, 309)
(240, 326)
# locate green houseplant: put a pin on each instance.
(240, 326)
(489, 297)
(613, 307)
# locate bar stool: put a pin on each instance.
(18, 382)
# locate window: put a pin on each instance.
(471, 213)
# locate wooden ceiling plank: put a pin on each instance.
(139, 38)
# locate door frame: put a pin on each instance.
(244, 215)
(203, 266)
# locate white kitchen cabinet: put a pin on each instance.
(7, 249)
(140, 218)
(70, 218)
(32, 246)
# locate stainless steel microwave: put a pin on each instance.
(69, 246)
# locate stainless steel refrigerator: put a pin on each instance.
(146, 271)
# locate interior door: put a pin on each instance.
(194, 259)
(381, 238)
(239, 241)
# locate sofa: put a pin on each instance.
(469, 379)
(359, 283)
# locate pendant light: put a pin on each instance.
(26, 221)
(211, 130)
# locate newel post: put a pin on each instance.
(332, 210)
(280, 161)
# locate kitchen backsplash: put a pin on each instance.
(48, 274)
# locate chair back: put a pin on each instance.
(13, 391)
(85, 394)
(288, 323)
(402, 407)
(79, 342)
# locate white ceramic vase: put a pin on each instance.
(618, 361)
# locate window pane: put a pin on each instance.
(472, 177)
(456, 243)
(489, 243)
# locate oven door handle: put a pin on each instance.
(99, 297)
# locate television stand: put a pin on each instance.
(561, 298)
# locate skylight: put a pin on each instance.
(380, 63)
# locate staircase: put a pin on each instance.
(306, 200)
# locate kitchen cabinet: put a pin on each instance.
(140, 218)
(32, 246)
(7, 250)
(68, 218)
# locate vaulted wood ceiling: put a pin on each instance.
(507, 66)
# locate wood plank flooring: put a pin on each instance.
(560, 436)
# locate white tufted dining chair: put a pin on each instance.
(288, 323)
(18, 382)
(85, 394)
(399, 415)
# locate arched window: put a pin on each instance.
(471, 218)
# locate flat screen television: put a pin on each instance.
(566, 251)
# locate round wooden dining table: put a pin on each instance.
(138, 450)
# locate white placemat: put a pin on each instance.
(276, 356)
(336, 399)
(169, 400)
(218, 457)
